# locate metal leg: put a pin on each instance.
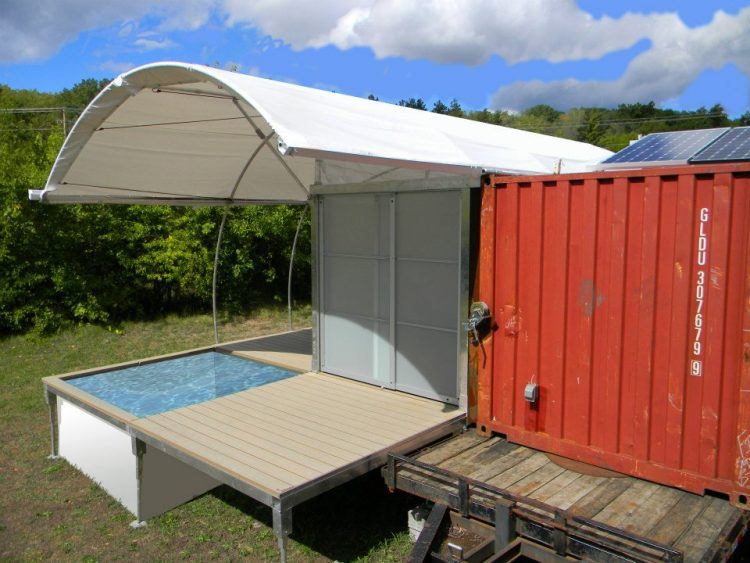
(139, 449)
(51, 400)
(282, 526)
(505, 524)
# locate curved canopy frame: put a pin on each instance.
(174, 133)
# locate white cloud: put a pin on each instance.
(443, 31)
(147, 44)
(37, 30)
(677, 57)
(448, 31)
(116, 67)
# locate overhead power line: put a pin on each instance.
(41, 110)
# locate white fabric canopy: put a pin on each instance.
(191, 134)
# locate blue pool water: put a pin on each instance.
(169, 384)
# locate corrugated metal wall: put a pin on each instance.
(624, 297)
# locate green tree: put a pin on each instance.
(414, 103)
(544, 112)
(440, 107)
(455, 108)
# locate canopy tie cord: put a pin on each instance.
(216, 269)
(291, 265)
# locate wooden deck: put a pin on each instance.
(697, 526)
(290, 350)
(294, 435)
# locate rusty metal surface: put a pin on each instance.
(625, 296)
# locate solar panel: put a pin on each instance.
(672, 146)
(732, 145)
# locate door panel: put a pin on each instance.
(426, 362)
(427, 231)
(358, 348)
(365, 280)
(355, 286)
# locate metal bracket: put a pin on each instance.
(478, 314)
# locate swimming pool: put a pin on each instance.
(165, 385)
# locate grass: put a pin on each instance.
(49, 510)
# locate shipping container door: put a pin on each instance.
(390, 284)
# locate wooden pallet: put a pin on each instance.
(700, 527)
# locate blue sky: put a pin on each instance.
(500, 54)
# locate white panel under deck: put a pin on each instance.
(100, 450)
(104, 453)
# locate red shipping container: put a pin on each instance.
(625, 297)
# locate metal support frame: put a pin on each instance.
(214, 310)
(139, 450)
(291, 265)
(51, 399)
(282, 525)
(423, 546)
(266, 139)
(505, 524)
(464, 274)
(317, 332)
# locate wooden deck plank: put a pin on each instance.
(452, 448)
(338, 387)
(304, 410)
(291, 350)
(270, 483)
(251, 440)
(466, 461)
(378, 403)
(243, 420)
(571, 494)
(307, 412)
(365, 388)
(288, 420)
(322, 427)
(520, 470)
(673, 524)
(622, 507)
(373, 406)
(511, 456)
(704, 530)
(650, 511)
(338, 384)
(291, 472)
(607, 491)
(554, 486)
(530, 483)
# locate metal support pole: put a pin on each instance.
(505, 524)
(216, 269)
(51, 400)
(139, 450)
(291, 265)
(282, 526)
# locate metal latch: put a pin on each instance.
(478, 313)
